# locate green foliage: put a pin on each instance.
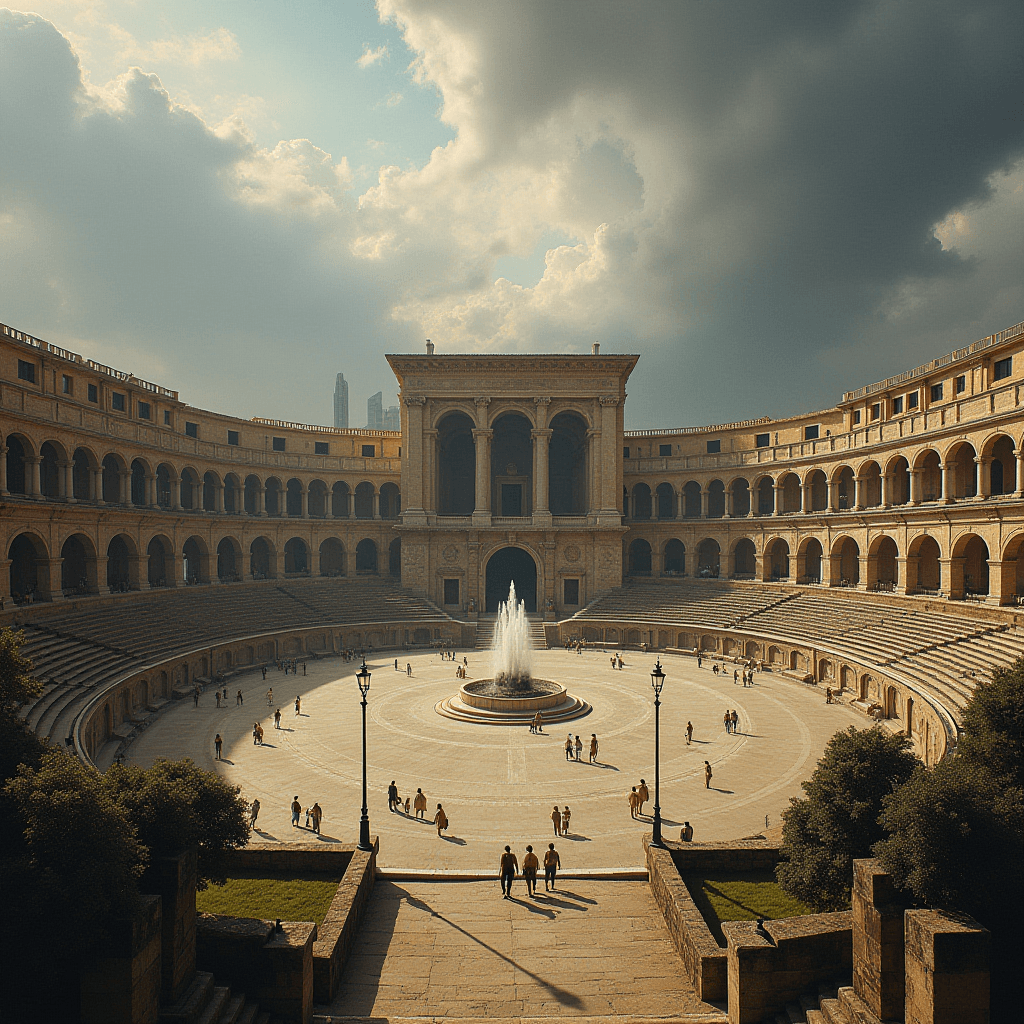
(993, 726)
(838, 819)
(16, 682)
(298, 898)
(741, 896)
(174, 804)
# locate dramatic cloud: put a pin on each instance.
(773, 203)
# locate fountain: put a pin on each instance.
(511, 694)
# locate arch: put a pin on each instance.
(641, 501)
(511, 465)
(28, 572)
(716, 499)
(51, 475)
(665, 501)
(845, 559)
(296, 555)
(78, 568)
(364, 500)
(366, 558)
(898, 472)
(970, 556)
(765, 496)
(19, 450)
(744, 559)
(674, 557)
(816, 484)
(775, 655)
(923, 566)
(709, 555)
(262, 559)
(121, 552)
(211, 488)
(161, 559)
(567, 465)
(229, 559)
(864, 687)
(189, 490)
(883, 568)
(166, 485)
(508, 565)
(318, 501)
(395, 558)
(692, 499)
(870, 484)
(232, 487)
(790, 493)
(752, 649)
(112, 468)
(195, 560)
(962, 470)
(273, 499)
(927, 465)
(639, 560)
(251, 501)
(332, 557)
(740, 490)
(293, 498)
(83, 462)
(776, 559)
(340, 506)
(808, 561)
(456, 465)
(390, 501)
(137, 484)
(1002, 470)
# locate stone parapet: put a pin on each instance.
(878, 963)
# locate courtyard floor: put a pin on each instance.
(498, 784)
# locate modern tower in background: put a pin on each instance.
(392, 418)
(375, 412)
(341, 402)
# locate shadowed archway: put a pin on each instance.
(506, 566)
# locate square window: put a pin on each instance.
(321, 448)
(67, 385)
(761, 440)
(936, 392)
(191, 429)
(1003, 368)
(94, 393)
(451, 592)
(876, 410)
(811, 433)
(571, 592)
(144, 411)
(856, 416)
(961, 384)
(277, 443)
(897, 405)
(117, 401)
(664, 449)
(233, 437)
(167, 417)
(912, 399)
(26, 371)
(714, 447)
(625, 452)
(369, 451)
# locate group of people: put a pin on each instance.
(314, 815)
(731, 719)
(418, 805)
(638, 796)
(508, 866)
(576, 645)
(575, 746)
(560, 819)
(616, 660)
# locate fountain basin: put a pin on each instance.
(488, 696)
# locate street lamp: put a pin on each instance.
(363, 679)
(657, 682)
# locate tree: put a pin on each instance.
(837, 821)
(993, 725)
(174, 804)
(16, 682)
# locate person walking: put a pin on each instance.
(259, 734)
(579, 748)
(568, 747)
(270, 695)
(218, 745)
(420, 804)
(216, 694)
(396, 664)
(565, 821)
(255, 733)
(707, 775)
(195, 696)
(254, 811)
(317, 814)
(296, 811)
(593, 748)
(728, 720)
(556, 820)
(530, 866)
(277, 719)
(645, 794)
(408, 668)
(440, 820)
(552, 862)
(689, 732)
(238, 699)
(634, 801)
(507, 868)
(264, 670)
(392, 796)
(735, 719)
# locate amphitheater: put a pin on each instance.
(874, 548)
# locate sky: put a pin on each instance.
(772, 203)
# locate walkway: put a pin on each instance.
(456, 949)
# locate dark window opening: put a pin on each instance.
(897, 405)
(1003, 368)
(321, 448)
(571, 592)
(625, 452)
(167, 417)
(761, 440)
(961, 384)
(191, 429)
(936, 392)
(277, 444)
(812, 433)
(369, 451)
(664, 450)
(876, 410)
(94, 393)
(144, 411)
(233, 437)
(714, 447)
(117, 401)
(26, 371)
(912, 399)
(451, 591)
(67, 385)
(856, 415)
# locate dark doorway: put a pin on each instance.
(395, 558)
(456, 466)
(506, 566)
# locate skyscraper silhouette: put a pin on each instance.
(375, 412)
(341, 401)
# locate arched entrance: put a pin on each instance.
(506, 566)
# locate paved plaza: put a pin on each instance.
(498, 784)
(456, 949)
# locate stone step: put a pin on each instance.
(233, 1011)
(832, 1012)
(187, 1009)
(855, 1008)
(219, 999)
(250, 1012)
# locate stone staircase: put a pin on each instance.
(832, 1003)
(485, 632)
(205, 1002)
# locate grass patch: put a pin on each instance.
(741, 896)
(295, 898)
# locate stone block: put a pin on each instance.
(285, 988)
(878, 949)
(173, 879)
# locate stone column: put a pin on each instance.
(595, 470)
(541, 441)
(833, 495)
(151, 489)
(984, 478)
(947, 482)
(905, 567)
(482, 441)
(916, 478)
(858, 490)
(430, 471)
(126, 486)
(66, 481)
(728, 503)
(174, 484)
(705, 505)
(886, 490)
(304, 501)
(1018, 455)
(261, 499)
(680, 503)
(376, 503)
(416, 478)
(48, 578)
(952, 577)
(610, 486)
(805, 497)
(777, 498)
(3, 468)
(96, 485)
(32, 464)
(218, 497)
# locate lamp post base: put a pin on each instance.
(364, 835)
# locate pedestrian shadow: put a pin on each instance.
(576, 896)
(264, 834)
(327, 839)
(715, 789)
(226, 760)
(270, 745)
(454, 839)
(603, 764)
(564, 904)
(533, 908)
(575, 837)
